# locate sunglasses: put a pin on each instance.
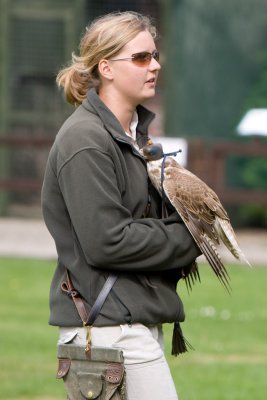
(141, 59)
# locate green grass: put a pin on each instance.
(27, 344)
(228, 333)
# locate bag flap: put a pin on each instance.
(90, 384)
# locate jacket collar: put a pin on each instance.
(94, 104)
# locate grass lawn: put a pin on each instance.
(228, 333)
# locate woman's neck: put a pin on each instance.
(122, 110)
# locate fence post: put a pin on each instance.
(4, 100)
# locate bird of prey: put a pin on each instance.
(198, 206)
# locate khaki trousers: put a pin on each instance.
(148, 375)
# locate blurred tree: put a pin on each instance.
(255, 173)
(257, 97)
(246, 172)
(212, 50)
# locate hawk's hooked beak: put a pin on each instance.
(152, 152)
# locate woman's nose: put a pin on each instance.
(154, 65)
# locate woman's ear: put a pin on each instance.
(105, 69)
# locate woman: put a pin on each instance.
(101, 211)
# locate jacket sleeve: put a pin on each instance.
(108, 235)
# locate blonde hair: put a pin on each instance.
(103, 38)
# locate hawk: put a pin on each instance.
(198, 206)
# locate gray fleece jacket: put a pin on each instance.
(94, 194)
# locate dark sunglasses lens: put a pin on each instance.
(143, 58)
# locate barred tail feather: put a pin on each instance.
(208, 248)
(216, 264)
(228, 237)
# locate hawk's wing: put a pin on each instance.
(211, 210)
(201, 210)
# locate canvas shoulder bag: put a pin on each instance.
(91, 372)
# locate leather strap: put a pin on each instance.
(88, 319)
(68, 288)
(101, 298)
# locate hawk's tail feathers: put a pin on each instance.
(214, 259)
(228, 237)
(191, 277)
(209, 249)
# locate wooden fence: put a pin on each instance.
(206, 160)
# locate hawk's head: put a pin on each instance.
(152, 151)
